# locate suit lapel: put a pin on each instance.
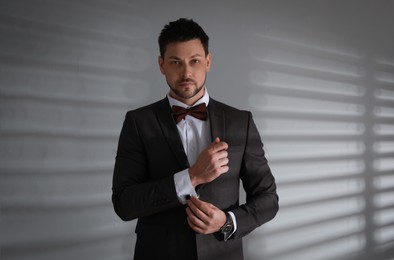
(170, 131)
(217, 121)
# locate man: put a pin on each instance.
(178, 171)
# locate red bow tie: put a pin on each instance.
(199, 112)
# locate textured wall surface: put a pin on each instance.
(317, 75)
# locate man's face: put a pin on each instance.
(185, 67)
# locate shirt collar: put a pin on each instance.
(204, 99)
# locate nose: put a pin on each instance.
(186, 71)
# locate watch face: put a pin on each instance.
(227, 228)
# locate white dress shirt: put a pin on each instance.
(196, 136)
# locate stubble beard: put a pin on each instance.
(185, 95)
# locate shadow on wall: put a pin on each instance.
(327, 128)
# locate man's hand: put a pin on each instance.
(203, 217)
(210, 164)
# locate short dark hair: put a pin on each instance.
(182, 30)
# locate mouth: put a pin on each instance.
(186, 84)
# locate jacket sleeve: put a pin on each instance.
(259, 184)
(134, 193)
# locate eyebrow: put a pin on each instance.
(193, 56)
(173, 58)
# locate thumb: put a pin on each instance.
(213, 144)
(218, 145)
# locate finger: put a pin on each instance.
(196, 202)
(224, 169)
(197, 222)
(220, 161)
(221, 146)
(201, 209)
(194, 227)
(224, 161)
(191, 215)
(219, 151)
(195, 208)
(221, 155)
(218, 145)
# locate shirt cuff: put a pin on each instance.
(183, 186)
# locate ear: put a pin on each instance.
(208, 58)
(160, 61)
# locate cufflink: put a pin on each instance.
(187, 197)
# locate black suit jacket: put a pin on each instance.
(150, 151)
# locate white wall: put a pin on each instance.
(317, 75)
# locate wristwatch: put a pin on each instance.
(228, 226)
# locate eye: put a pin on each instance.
(175, 62)
(195, 61)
